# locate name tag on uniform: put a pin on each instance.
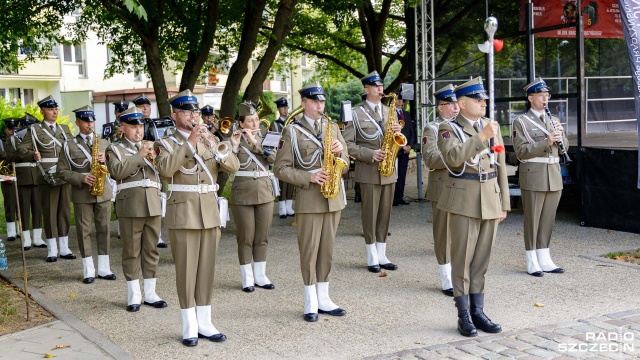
(306, 139)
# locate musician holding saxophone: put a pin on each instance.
(365, 137)
(303, 150)
(539, 141)
(81, 164)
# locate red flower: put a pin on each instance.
(497, 148)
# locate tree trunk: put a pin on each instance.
(196, 59)
(281, 29)
(154, 63)
(250, 28)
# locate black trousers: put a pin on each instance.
(403, 164)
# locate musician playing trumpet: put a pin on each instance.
(537, 138)
(74, 166)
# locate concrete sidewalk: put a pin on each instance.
(402, 315)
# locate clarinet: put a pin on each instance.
(563, 150)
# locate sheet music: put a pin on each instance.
(271, 139)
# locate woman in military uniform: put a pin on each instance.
(252, 197)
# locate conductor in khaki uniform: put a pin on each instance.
(536, 144)
(299, 162)
(138, 208)
(190, 159)
(43, 143)
(8, 155)
(476, 196)
(285, 200)
(364, 136)
(28, 193)
(252, 197)
(447, 109)
(75, 164)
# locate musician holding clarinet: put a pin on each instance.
(539, 141)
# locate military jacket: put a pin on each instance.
(74, 164)
(299, 155)
(26, 171)
(277, 126)
(247, 190)
(176, 163)
(438, 173)
(48, 144)
(461, 150)
(530, 142)
(364, 136)
(126, 165)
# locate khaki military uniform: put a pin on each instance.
(138, 208)
(317, 218)
(286, 190)
(8, 187)
(438, 175)
(73, 165)
(252, 197)
(28, 193)
(364, 136)
(192, 216)
(539, 176)
(475, 203)
(55, 200)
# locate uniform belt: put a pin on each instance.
(146, 183)
(482, 177)
(544, 160)
(49, 160)
(26, 164)
(254, 174)
(201, 189)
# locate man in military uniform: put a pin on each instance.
(299, 162)
(476, 197)
(138, 208)
(364, 136)
(403, 153)
(74, 165)
(8, 187)
(285, 200)
(26, 174)
(111, 130)
(438, 175)
(535, 139)
(43, 143)
(194, 224)
(208, 118)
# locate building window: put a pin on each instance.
(303, 60)
(74, 54)
(28, 96)
(109, 55)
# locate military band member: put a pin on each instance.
(8, 155)
(190, 159)
(476, 197)
(28, 193)
(299, 162)
(403, 154)
(138, 208)
(285, 200)
(536, 144)
(356, 186)
(252, 196)
(43, 143)
(75, 164)
(209, 119)
(438, 175)
(364, 136)
(112, 130)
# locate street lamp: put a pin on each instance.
(561, 44)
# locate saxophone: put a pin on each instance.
(392, 141)
(332, 165)
(97, 169)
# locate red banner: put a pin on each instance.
(601, 17)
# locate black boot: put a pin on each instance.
(465, 326)
(480, 320)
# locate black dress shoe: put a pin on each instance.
(448, 292)
(358, 198)
(162, 245)
(291, 214)
(283, 216)
(394, 204)
(311, 317)
(248, 289)
(190, 342)
(537, 274)
(13, 238)
(88, 280)
(215, 337)
(267, 286)
(556, 271)
(68, 256)
(27, 248)
(133, 307)
(334, 312)
(374, 268)
(18, 236)
(107, 277)
(389, 266)
(465, 326)
(157, 304)
(402, 202)
(41, 246)
(52, 259)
